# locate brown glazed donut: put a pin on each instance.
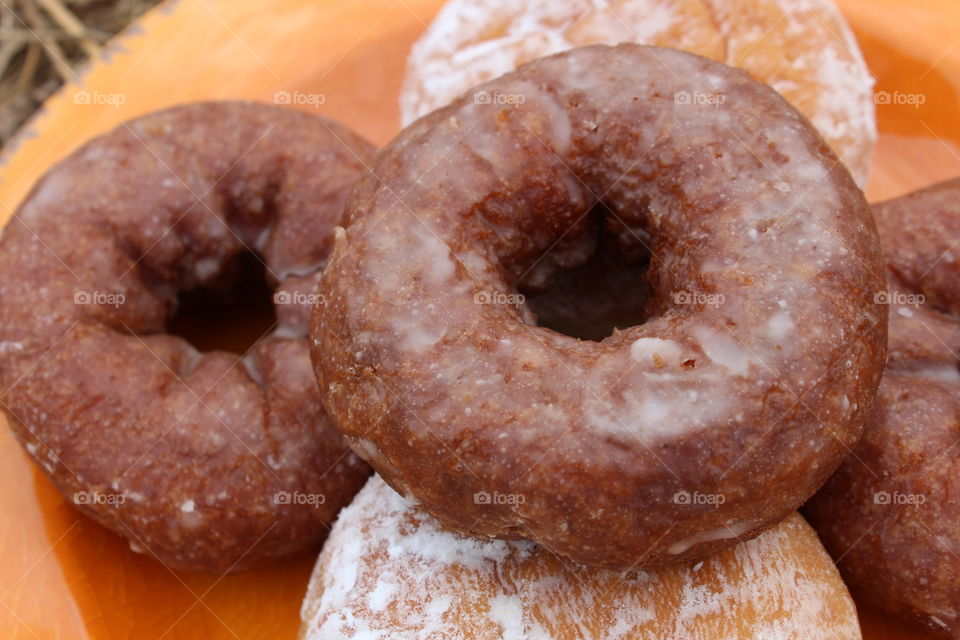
(753, 372)
(206, 461)
(891, 513)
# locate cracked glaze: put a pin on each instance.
(437, 374)
(183, 453)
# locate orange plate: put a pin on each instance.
(61, 576)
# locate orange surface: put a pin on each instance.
(61, 576)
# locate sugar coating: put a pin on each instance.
(803, 49)
(444, 585)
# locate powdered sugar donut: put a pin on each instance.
(390, 571)
(802, 48)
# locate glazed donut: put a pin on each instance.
(389, 570)
(206, 461)
(891, 513)
(714, 418)
(804, 50)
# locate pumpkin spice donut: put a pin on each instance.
(891, 513)
(206, 461)
(389, 571)
(751, 376)
(804, 50)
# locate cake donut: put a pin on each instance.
(389, 570)
(804, 50)
(891, 513)
(738, 394)
(206, 461)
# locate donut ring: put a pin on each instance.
(196, 458)
(804, 50)
(669, 440)
(390, 571)
(891, 513)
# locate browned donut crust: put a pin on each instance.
(762, 347)
(207, 461)
(891, 513)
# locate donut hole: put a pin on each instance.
(231, 314)
(608, 291)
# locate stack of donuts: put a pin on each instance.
(604, 314)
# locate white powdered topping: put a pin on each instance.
(507, 613)
(381, 595)
(473, 41)
(435, 584)
(187, 506)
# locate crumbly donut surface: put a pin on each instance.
(205, 460)
(751, 377)
(389, 570)
(802, 48)
(891, 513)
